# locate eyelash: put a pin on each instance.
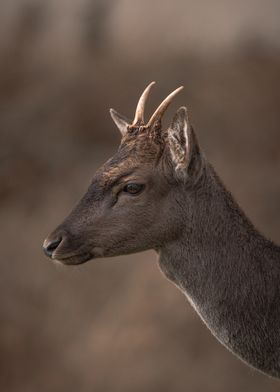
(128, 188)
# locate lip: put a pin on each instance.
(75, 259)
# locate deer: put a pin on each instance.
(159, 191)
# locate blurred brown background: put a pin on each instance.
(118, 324)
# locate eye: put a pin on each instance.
(133, 188)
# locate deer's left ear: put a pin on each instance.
(179, 140)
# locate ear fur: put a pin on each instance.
(179, 139)
(121, 121)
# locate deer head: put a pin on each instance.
(130, 205)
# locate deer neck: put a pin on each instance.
(228, 271)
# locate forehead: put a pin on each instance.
(134, 152)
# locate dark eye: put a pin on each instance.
(133, 188)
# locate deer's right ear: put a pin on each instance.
(179, 140)
(121, 121)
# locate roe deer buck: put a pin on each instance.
(159, 192)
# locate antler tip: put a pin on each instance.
(112, 112)
(163, 106)
(139, 113)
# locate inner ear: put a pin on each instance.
(179, 139)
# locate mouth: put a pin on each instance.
(76, 259)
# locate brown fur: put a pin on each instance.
(206, 245)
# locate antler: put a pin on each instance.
(162, 107)
(124, 124)
(139, 113)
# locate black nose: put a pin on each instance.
(50, 246)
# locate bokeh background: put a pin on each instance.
(118, 324)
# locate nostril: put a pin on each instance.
(50, 246)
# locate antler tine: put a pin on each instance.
(163, 106)
(139, 113)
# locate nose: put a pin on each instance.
(50, 246)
